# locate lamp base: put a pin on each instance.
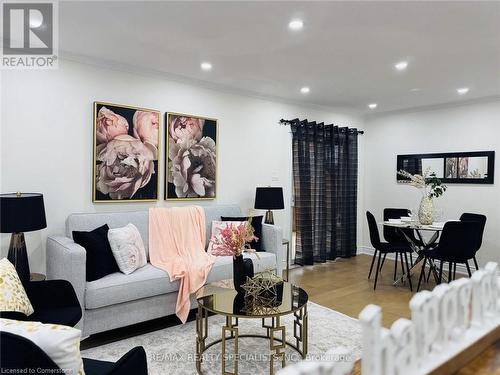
(18, 256)
(269, 217)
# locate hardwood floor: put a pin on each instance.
(343, 285)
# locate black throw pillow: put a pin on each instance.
(100, 259)
(257, 228)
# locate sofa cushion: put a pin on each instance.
(214, 213)
(223, 266)
(100, 260)
(150, 281)
(147, 281)
(128, 248)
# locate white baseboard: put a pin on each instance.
(461, 269)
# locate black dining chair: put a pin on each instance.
(384, 248)
(395, 236)
(481, 220)
(456, 245)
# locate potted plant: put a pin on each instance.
(233, 240)
(431, 187)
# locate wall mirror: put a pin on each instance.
(452, 167)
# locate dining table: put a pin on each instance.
(426, 237)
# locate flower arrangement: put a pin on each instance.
(233, 239)
(428, 183)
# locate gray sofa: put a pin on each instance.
(118, 300)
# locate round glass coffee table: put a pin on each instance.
(226, 302)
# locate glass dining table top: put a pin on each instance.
(414, 225)
(226, 301)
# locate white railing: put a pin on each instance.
(444, 322)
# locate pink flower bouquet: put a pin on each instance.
(233, 239)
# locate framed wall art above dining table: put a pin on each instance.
(477, 167)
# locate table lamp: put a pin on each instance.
(19, 213)
(269, 198)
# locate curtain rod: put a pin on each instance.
(289, 122)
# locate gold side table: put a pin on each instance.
(287, 243)
(235, 308)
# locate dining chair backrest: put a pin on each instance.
(457, 241)
(372, 227)
(392, 234)
(481, 219)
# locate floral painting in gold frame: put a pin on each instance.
(126, 150)
(191, 157)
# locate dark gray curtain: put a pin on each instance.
(325, 173)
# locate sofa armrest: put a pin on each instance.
(272, 242)
(66, 260)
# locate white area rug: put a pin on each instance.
(172, 350)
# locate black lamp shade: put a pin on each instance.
(269, 198)
(21, 212)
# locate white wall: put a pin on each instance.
(472, 127)
(46, 138)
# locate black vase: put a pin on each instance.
(241, 269)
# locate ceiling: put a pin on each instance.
(345, 53)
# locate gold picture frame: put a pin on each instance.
(119, 129)
(183, 133)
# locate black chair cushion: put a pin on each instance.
(67, 316)
(134, 362)
(95, 367)
(54, 301)
(20, 354)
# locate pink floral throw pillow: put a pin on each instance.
(217, 226)
(128, 248)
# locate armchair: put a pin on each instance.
(54, 301)
(20, 354)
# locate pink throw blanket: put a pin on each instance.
(177, 246)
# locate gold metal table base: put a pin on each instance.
(275, 333)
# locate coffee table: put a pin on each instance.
(226, 302)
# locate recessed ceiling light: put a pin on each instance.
(463, 90)
(305, 90)
(296, 24)
(402, 65)
(206, 66)
(372, 105)
(415, 89)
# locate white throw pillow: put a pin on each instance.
(217, 226)
(60, 343)
(13, 297)
(128, 248)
